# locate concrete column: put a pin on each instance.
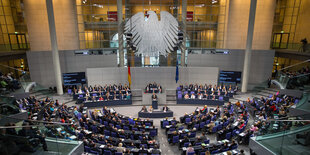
(127, 9)
(248, 50)
(183, 47)
(120, 32)
(175, 8)
(53, 37)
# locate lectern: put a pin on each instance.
(155, 103)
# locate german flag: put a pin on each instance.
(129, 75)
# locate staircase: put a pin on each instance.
(266, 92)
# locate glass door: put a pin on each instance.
(280, 40)
(18, 41)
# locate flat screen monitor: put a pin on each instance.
(76, 78)
(230, 77)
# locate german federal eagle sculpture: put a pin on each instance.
(151, 36)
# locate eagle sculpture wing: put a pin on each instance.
(135, 25)
(169, 26)
(152, 36)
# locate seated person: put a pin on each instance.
(147, 89)
(160, 90)
(87, 96)
(101, 98)
(200, 96)
(120, 148)
(115, 98)
(189, 149)
(165, 108)
(128, 96)
(93, 99)
(205, 109)
(156, 150)
(154, 97)
(122, 97)
(186, 96)
(150, 109)
(142, 150)
(144, 109)
(193, 96)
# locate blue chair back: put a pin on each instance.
(234, 147)
(196, 126)
(94, 129)
(94, 152)
(145, 146)
(107, 152)
(202, 124)
(81, 135)
(106, 132)
(113, 134)
(69, 91)
(175, 139)
(153, 133)
(187, 120)
(296, 101)
(186, 144)
(191, 153)
(214, 129)
(197, 144)
(86, 149)
(228, 135)
(165, 123)
(192, 135)
(207, 141)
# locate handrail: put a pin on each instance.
(37, 121)
(13, 68)
(300, 75)
(295, 120)
(294, 65)
(23, 126)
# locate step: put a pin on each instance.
(269, 91)
(273, 89)
(137, 98)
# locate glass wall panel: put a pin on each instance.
(205, 23)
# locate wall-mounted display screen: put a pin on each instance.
(230, 77)
(76, 78)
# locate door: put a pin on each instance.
(18, 41)
(280, 40)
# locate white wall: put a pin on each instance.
(261, 63)
(41, 70)
(141, 76)
(41, 64)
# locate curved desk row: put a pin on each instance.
(107, 103)
(156, 114)
(198, 101)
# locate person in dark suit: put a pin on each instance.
(144, 109)
(28, 131)
(165, 108)
(154, 96)
(143, 150)
(156, 150)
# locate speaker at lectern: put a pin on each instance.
(154, 101)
